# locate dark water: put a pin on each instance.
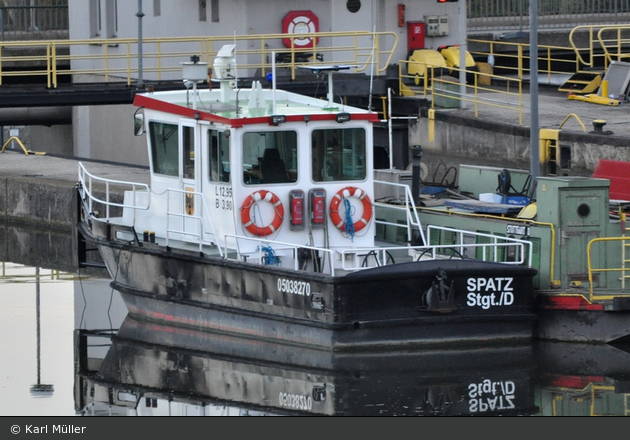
(68, 348)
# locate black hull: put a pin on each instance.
(586, 326)
(391, 306)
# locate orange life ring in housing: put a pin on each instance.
(246, 218)
(347, 192)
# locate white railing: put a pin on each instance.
(468, 240)
(204, 238)
(355, 259)
(279, 249)
(465, 243)
(408, 205)
(86, 189)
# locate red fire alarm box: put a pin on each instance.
(415, 35)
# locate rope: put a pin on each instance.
(270, 256)
(348, 220)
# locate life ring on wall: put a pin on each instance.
(345, 193)
(246, 218)
(300, 22)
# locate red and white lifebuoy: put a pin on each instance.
(248, 204)
(345, 193)
(299, 22)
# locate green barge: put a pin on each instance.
(577, 235)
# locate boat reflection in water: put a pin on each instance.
(153, 369)
(583, 379)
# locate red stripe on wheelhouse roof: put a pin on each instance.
(176, 109)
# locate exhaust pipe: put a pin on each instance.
(416, 156)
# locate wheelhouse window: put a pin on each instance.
(219, 157)
(338, 154)
(270, 157)
(188, 152)
(164, 150)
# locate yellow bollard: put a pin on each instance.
(431, 118)
(604, 87)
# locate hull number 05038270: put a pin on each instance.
(294, 286)
(295, 401)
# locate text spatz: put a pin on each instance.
(486, 292)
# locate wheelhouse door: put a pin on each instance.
(190, 185)
(219, 194)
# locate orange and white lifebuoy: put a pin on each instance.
(299, 22)
(345, 193)
(246, 218)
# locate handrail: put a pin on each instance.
(618, 42)
(200, 220)
(294, 247)
(410, 208)
(15, 138)
(622, 269)
(86, 186)
(552, 253)
(576, 117)
(117, 56)
(590, 49)
(431, 251)
(507, 241)
(476, 92)
(476, 89)
(519, 51)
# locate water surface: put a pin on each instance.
(69, 349)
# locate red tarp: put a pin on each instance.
(618, 172)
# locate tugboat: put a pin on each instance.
(260, 221)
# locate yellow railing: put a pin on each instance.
(19, 142)
(591, 269)
(518, 56)
(610, 42)
(117, 59)
(615, 46)
(591, 45)
(479, 91)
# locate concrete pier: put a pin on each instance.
(38, 190)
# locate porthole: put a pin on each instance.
(353, 5)
(583, 210)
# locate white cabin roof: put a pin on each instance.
(254, 106)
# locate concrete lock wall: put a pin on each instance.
(31, 200)
(469, 141)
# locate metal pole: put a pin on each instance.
(33, 26)
(462, 52)
(416, 154)
(533, 90)
(389, 128)
(140, 15)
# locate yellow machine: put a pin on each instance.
(451, 55)
(602, 98)
(595, 99)
(420, 61)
